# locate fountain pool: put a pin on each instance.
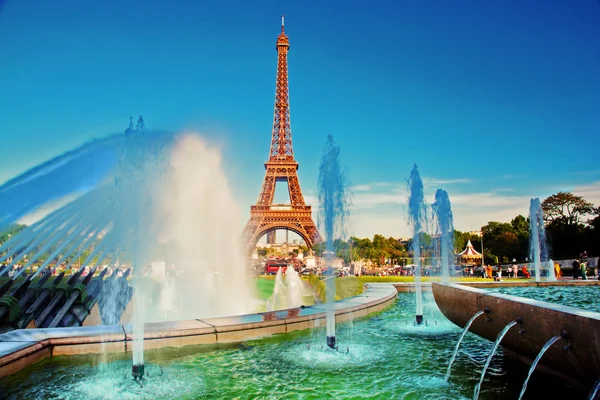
(583, 297)
(387, 359)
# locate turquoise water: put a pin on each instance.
(384, 357)
(584, 297)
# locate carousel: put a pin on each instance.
(470, 256)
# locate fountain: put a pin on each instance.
(288, 292)
(546, 346)
(462, 335)
(501, 335)
(143, 199)
(442, 211)
(594, 394)
(416, 216)
(333, 208)
(137, 368)
(116, 218)
(551, 272)
(279, 292)
(538, 249)
(294, 288)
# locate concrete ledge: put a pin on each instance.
(525, 282)
(402, 287)
(23, 347)
(540, 322)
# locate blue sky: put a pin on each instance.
(496, 101)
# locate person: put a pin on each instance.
(512, 272)
(498, 273)
(576, 268)
(557, 270)
(526, 273)
(490, 271)
(484, 273)
(583, 270)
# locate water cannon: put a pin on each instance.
(102, 274)
(4, 288)
(62, 290)
(34, 289)
(80, 287)
(78, 293)
(126, 274)
(46, 292)
(9, 304)
(94, 291)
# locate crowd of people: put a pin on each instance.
(581, 268)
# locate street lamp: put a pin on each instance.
(482, 259)
(8, 249)
(350, 242)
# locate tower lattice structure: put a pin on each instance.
(266, 217)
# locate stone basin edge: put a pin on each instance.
(575, 357)
(23, 347)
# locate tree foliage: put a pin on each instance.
(10, 231)
(377, 250)
(566, 209)
(567, 230)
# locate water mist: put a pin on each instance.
(168, 203)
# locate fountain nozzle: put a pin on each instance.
(331, 341)
(137, 371)
(487, 310)
(419, 319)
(564, 334)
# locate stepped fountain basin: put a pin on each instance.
(576, 359)
(23, 347)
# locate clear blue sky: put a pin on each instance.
(489, 98)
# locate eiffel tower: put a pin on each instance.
(266, 217)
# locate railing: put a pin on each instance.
(280, 207)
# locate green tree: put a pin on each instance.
(501, 240)
(520, 226)
(11, 231)
(567, 232)
(566, 208)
